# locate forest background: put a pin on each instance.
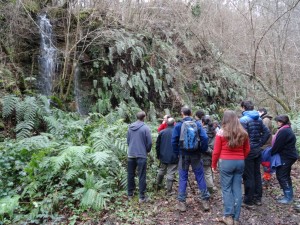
(69, 91)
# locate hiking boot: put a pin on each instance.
(144, 200)
(181, 206)
(211, 190)
(130, 197)
(257, 202)
(235, 222)
(248, 206)
(288, 196)
(297, 208)
(227, 220)
(159, 180)
(205, 205)
(169, 191)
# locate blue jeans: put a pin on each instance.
(132, 164)
(231, 172)
(185, 161)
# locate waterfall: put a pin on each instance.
(47, 57)
(78, 93)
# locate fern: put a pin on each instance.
(100, 158)
(24, 128)
(8, 205)
(72, 174)
(72, 156)
(31, 109)
(9, 103)
(53, 125)
(28, 113)
(94, 193)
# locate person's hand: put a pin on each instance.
(214, 170)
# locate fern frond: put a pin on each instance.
(36, 142)
(100, 158)
(58, 162)
(44, 104)
(53, 125)
(102, 143)
(71, 174)
(93, 194)
(31, 109)
(24, 129)
(20, 110)
(121, 145)
(8, 205)
(9, 103)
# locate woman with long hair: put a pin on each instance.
(230, 149)
(284, 144)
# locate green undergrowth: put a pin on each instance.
(60, 168)
(64, 168)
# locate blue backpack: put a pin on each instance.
(189, 139)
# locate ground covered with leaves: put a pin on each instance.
(162, 209)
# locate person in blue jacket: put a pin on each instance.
(187, 159)
(258, 136)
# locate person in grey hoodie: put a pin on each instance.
(139, 145)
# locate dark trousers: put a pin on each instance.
(252, 180)
(141, 165)
(283, 174)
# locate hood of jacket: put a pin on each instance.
(267, 116)
(252, 114)
(136, 125)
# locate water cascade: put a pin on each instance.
(47, 57)
(79, 93)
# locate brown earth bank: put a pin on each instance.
(162, 209)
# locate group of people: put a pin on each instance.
(234, 149)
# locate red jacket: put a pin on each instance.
(223, 151)
(162, 127)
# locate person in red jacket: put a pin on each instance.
(164, 124)
(230, 149)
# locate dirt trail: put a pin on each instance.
(162, 210)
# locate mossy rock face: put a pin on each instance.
(56, 12)
(32, 6)
(1, 125)
(57, 102)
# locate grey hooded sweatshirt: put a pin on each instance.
(139, 140)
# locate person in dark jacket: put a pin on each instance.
(284, 144)
(207, 156)
(168, 159)
(187, 159)
(267, 120)
(139, 145)
(258, 136)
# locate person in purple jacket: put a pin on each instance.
(139, 145)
